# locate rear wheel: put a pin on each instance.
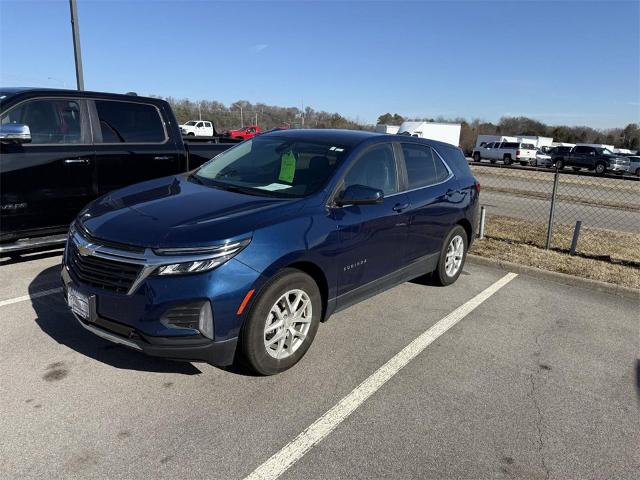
(507, 159)
(600, 168)
(452, 257)
(283, 323)
(477, 157)
(559, 164)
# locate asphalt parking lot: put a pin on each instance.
(538, 381)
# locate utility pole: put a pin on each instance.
(75, 30)
(199, 112)
(241, 118)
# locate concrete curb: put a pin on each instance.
(562, 278)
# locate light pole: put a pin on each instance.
(75, 29)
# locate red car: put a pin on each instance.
(244, 133)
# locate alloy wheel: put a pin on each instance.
(453, 258)
(287, 324)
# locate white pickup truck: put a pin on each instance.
(197, 128)
(507, 152)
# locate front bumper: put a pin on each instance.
(194, 350)
(615, 167)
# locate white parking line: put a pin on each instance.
(296, 449)
(43, 293)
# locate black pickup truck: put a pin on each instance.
(599, 159)
(60, 149)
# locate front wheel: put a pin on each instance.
(452, 257)
(283, 323)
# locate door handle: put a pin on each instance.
(399, 207)
(162, 157)
(69, 161)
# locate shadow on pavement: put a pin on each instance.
(7, 259)
(54, 318)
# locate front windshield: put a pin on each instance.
(274, 166)
(191, 123)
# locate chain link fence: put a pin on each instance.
(523, 206)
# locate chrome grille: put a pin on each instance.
(102, 273)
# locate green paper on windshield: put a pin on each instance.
(287, 167)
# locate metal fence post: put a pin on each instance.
(576, 235)
(483, 212)
(552, 210)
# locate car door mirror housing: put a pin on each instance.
(15, 132)
(360, 195)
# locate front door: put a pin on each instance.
(372, 237)
(46, 182)
(131, 144)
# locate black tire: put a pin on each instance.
(440, 275)
(477, 157)
(601, 168)
(507, 159)
(252, 337)
(559, 164)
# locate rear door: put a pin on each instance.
(46, 182)
(132, 144)
(432, 199)
(372, 237)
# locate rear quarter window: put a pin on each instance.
(455, 159)
(128, 122)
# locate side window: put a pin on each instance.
(50, 121)
(581, 150)
(375, 169)
(124, 122)
(200, 124)
(424, 166)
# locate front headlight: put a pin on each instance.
(199, 259)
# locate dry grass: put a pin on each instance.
(554, 261)
(608, 245)
(604, 255)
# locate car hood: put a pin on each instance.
(175, 212)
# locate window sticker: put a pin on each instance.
(287, 167)
(274, 186)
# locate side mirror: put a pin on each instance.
(360, 195)
(15, 132)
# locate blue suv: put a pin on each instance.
(244, 257)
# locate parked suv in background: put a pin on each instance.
(255, 248)
(602, 160)
(508, 152)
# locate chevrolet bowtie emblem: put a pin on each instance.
(86, 250)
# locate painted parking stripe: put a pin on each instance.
(323, 426)
(43, 293)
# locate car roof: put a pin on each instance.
(349, 138)
(29, 91)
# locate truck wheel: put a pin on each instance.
(559, 164)
(600, 168)
(282, 323)
(477, 157)
(452, 257)
(507, 159)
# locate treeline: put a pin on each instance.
(627, 137)
(242, 113)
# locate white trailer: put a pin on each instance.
(391, 129)
(482, 140)
(537, 142)
(442, 132)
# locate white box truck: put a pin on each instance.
(391, 129)
(442, 132)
